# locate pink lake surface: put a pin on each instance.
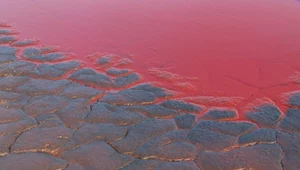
(215, 47)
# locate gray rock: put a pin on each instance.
(266, 115)
(291, 121)
(294, 99)
(49, 140)
(32, 161)
(181, 106)
(104, 131)
(116, 72)
(90, 77)
(6, 50)
(258, 136)
(153, 111)
(219, 114)
(185, 121)
(41, 87)
(171, 146)
(49, 57)
(100, 155)
(10, 83)
(6, 141)
(17, 68)
(46, 71)
(44, 104)
(140, 94)
(258, 157)
(76, 90)
(68, 65)
(141, 133)
(73, 113)
(105, 113)
(126, 80)
(26, 42)
(7, 39)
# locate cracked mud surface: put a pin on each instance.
(55, 113)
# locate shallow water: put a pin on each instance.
(201, 47)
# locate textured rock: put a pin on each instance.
(7, 39)
(7, 32)
(6, 141)
(185, 121)
(105, 113)
(13, 121)
(49, 57)
(154, 111)
(291, 121)
(32, 161)
(104, 131)
(258, 157)
(49, 140)
(126, 80)
(266, 115)
(74, 113)
(170, 146)
(160, 165)
(140, 94)
(294, 99)
(90, 77)
(116, 72)
(49, 120)
(41, 87)
(17, 68)
(7, 54)
(258, 136)
(181, 106)
(76, 90)
(218, 136)
(13, 100)
(141, 133)
(68, 65)
(290, 144)
(44, 104)
(10, 83)
(26, 42)
(100, 155)
(46, 71)
(219, 114)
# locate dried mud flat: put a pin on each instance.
(56, 113)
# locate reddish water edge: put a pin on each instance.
(247, 49)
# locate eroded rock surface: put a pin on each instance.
(55, 115)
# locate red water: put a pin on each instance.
(233, 48)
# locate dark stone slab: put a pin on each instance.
(141, 133)
(13, 100)
(49, 120)
(90, 77)
(105, 113)
(219, 114)
(153, 111)
(185, 121)
(291, 121)
(73, 113)
(41, 87)
(26, 42)
(44, 104)
(140, 94)
(32, 161)
(100, 155)
(5, 59)
(258, 157)
(6, 50)
(218, 136)
(7, 39)
(181, 106)
(6, 141)
(68, 65)
(171, 146)
(31, 51)
(101, 131)
(290, 143)
(17, 68)
(46, 71)
(139, 164)
(188, 165)
(10, 83)
(126, 80)
(258, 136)
(116, 72)
(294, 99)
(76, 90)
(49, 57)
(50, 140)
(266, 115)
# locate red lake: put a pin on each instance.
(247, 48)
